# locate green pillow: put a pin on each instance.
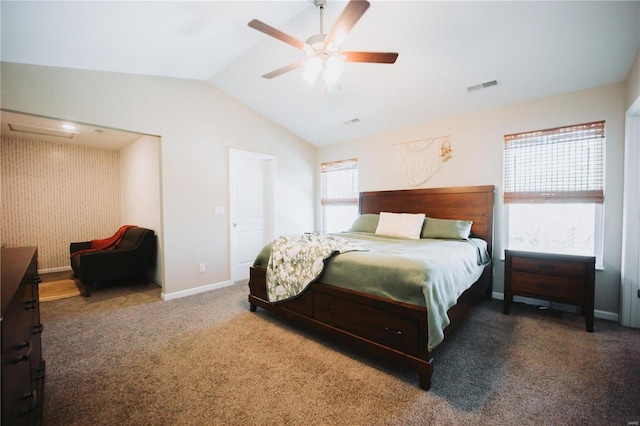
(367, 222)
(446, 228)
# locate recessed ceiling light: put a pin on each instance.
(68, 126)
(42, 131)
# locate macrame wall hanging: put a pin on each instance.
(417, 161)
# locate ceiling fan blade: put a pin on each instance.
(350, 15)
(285, 69)
(374, 57)
(275, 33)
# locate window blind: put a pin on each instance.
(563, 164)
(339, 182)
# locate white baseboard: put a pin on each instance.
(611, 316)
(50, 270)
(192, 291)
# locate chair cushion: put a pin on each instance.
(132, 237)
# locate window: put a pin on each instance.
(554, 190)
(339, 194)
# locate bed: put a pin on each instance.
(392, 329)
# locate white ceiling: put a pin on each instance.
(533, 49)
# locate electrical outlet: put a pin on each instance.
(202, 267)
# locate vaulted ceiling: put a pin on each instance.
(532, 49)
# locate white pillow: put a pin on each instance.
(402, 225)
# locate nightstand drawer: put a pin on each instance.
(563, 288)
(547, 266)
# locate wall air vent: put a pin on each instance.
(41, 131)
(482, 85)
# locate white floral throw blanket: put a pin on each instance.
(295, 262)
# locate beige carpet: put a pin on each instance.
(59, 289)
(125, 357)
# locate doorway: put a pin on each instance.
(630, 269)
(251, 205)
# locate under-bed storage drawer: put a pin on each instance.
(302, 304)
(394, 331)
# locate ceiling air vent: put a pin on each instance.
(482, 85)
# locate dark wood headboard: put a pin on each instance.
(473, 203)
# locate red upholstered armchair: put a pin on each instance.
(127, 256)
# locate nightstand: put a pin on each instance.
(555, 277)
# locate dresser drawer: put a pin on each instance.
(571, 290)
(548, 266)
(21, 318)
(396, 332)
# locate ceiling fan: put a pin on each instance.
(322, 51)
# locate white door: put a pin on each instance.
(251, 205)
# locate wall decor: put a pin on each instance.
(418, 160)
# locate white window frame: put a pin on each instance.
(539, 198)
(352, 199)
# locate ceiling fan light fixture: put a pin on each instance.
(312, 69)
(333, 69)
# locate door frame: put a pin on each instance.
(630, 269)
(269, 185)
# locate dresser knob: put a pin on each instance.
(31, 304)
(25, 356)
(40, 372)
(32, 397)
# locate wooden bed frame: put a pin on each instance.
(386, 328)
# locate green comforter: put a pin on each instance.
(426, 272)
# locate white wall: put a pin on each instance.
(140, 190)
(477, 143)
(633, 81)
(197, 124)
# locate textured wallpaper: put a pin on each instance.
(54, 194)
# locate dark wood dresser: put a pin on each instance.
(556, 277)
(23, 369)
